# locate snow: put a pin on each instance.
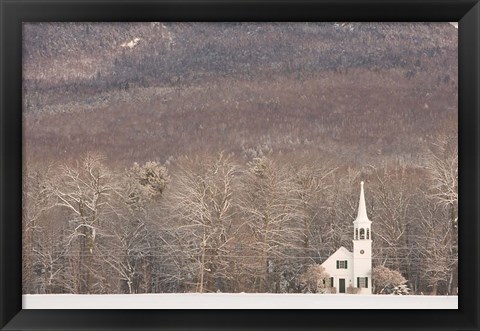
(131, 43)
(236, 301)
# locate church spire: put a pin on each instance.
(362, 208)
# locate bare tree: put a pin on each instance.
(37, 264)
(433, 235)
(202, 215)
(313, 186)
(442, 168)
(85, 191)
(131, 237)
(271, 208)
(391, 216)
(342, 202)
(125, 252)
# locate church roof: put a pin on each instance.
(342, 251)
(362, 208)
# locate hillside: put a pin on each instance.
(357, 92)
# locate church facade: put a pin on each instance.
(354, 269)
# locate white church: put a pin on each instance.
(354, 268)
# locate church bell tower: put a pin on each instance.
(362, 248)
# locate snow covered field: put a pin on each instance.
(236, 301)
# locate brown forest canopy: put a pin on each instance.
(358, 91)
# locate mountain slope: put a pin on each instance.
(360, 92)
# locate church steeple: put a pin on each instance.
(362, 224)
(362, 247)
(362, 208)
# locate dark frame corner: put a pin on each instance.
(14, 12)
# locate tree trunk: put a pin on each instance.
(434, 288)
(202, 270)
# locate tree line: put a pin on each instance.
(217, 223)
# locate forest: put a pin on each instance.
(220, 223)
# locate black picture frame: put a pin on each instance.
(14, 12)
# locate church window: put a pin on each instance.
(368, 233)
(342, 264)
(362, 233)
(356, 234)
(362, 282)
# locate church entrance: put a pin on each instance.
(341, 284)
